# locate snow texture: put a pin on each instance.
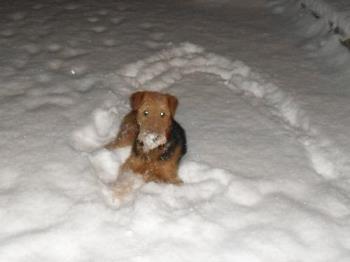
(335, 12)
(210, 188)
(327, 22)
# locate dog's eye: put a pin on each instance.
(145, 113)
(162, 114)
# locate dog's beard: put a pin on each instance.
(151, 140)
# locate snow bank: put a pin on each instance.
(336, 13)
(326, 23)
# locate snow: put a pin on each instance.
(326, 23)
(266, 173)
(151, 140)
(336, 12)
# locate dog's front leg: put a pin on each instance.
(164, 172)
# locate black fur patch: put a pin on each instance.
(177, 138)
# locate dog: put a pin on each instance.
(158, 142)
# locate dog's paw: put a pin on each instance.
(109, 197)
(123, 191)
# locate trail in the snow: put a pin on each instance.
(165, 68)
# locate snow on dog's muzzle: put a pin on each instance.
(151, 140)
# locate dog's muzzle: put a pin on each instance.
(151, 140)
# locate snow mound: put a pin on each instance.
(106, 163)
(103, 128)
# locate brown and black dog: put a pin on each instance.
(158, 141)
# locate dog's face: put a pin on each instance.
(155, 112)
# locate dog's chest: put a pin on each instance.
(160, 153)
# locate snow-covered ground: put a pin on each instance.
(335, 14)
(267, 172)
(326, 25)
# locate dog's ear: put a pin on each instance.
(136, 100)
(172, 102)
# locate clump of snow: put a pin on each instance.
(151, 140)
(106, 163)
(97, 134)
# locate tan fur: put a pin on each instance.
(148, 164)
(155, 171)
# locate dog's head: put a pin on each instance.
(154, 115)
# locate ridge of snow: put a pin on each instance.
(170, 65)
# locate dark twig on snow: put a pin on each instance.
(335, 29)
